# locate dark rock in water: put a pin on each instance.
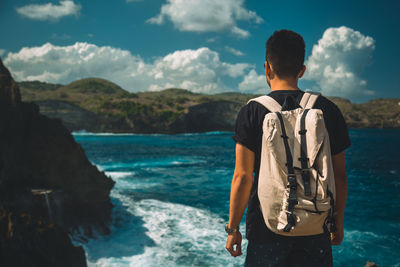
(371, 264)
(45, 175)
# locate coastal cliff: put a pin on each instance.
(48, 187)
(97, 105)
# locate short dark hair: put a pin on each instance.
(285, 51)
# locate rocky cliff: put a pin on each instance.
(97, 105)
(48, 187)
(9, 91)
(217, 115)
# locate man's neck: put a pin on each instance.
(284, 85)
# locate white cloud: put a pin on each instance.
(234, 51)
(49, 11)
(2, 52)
(240, 32)
(338, 60)
(198, 70)
(253, 83)
(207, 15)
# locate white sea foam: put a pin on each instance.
(99, 167)
(85, 133)
(119, 175)
(205, 133)
(132, 184)
(163, 162)
(361, 235)
(181, 235)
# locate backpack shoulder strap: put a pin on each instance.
(268, 102)
(308, 99)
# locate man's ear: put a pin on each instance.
(267, 69)
(301, 73)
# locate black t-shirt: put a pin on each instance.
(248, 132)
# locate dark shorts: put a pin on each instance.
(291, 251)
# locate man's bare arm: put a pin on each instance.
(339, 169)
(240, 192)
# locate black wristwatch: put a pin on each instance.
(231, 230)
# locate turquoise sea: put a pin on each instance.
(171, 199)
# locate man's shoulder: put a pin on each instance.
(255, 107)
(323, 103)
(326, 105)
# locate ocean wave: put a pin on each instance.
(182, 236)
(133, 184)
(98, 166)
(366, 246)
(118, 175)
(153, 162)
(85, 133)
(206, 133)
(361, 235)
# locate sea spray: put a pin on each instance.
(168, 214)
(45, 194)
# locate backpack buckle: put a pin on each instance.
(285, 136)
(290, 213)
(305, 160)
(291, 217)
(292, 181)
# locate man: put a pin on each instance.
(284, 65)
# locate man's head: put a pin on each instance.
(285, 51)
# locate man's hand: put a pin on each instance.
(337, 237)
(339, 169)
(240, 192)
(234, 239)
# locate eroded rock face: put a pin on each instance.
(212, 116)
(37, 152)
(75, 118)
(26, 240)
(9, 92)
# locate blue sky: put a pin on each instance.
(202, 45)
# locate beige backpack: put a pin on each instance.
(296, 185)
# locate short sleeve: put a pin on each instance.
(339, 135)
(245, 128)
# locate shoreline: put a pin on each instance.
(85, 133)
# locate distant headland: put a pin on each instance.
(97, 105)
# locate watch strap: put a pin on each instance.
(231, 230)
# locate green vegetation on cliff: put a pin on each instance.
(170, 110)
(377, 113)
